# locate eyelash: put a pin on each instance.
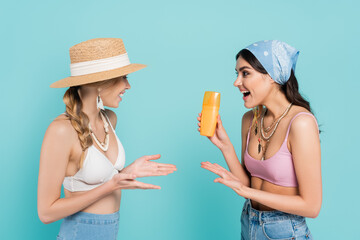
(244, 72)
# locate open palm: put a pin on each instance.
(144, 167)
(226, 177)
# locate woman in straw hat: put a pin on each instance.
(81, 150)
(280, 173)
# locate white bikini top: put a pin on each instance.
(97, 168)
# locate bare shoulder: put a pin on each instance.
(246, 119)
(59, 139)
(246, 123)
(305, 123)
(61, 131)
(112, 117)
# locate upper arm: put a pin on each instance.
(245, 124)
(305, 148)
(112, 117)
(54, 157)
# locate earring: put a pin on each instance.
(99, 102)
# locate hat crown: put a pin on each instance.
(98, 48)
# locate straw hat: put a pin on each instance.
(97, 60)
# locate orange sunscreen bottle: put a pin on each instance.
(209, 113)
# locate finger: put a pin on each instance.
(220, 167)
(166, 165)
(215, 169)
(225, 182)
(160, 173)
(211, 169)
(219, 121)
(199, 114)
(199, 119)
(124, 176)
(153, 157)
(142, 185)
(199, 124)
(226, 171)
(209, 163)
(217, 179)
(163, 170)
(199, 129)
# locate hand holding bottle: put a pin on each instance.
(220, 137)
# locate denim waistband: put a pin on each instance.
(269, 216)
(94, 218)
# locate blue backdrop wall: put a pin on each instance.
(190, 47)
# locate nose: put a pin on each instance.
(238, 81)
(128, 86)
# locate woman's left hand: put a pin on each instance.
(226, 177)
(143, 167)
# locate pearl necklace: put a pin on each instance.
(103, 145)
(267, 139)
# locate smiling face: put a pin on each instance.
(111, 96)
(254, 86)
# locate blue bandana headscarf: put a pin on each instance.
(278, 58)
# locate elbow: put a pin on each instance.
(314, 213)
(45, 218)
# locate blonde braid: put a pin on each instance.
(79, 120)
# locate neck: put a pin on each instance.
(276, 105)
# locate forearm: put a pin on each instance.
(234, 165)
(285, 203)
(64, 207)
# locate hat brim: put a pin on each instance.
(96, 77)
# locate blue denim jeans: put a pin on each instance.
(271, 225)
(82, 225)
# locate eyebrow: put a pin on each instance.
(242, 68)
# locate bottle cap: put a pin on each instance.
(211, 99)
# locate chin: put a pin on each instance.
(249, 105)
(115, 105)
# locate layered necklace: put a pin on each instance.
(103, 145)
(269, 131)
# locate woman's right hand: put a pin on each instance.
(127, 181)
(220, 137)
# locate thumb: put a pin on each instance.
(219, 122)
(153, 157)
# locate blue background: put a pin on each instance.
(190, 47)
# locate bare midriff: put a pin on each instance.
(106, 205)
(260, 184)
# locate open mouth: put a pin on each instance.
(122, 93)
(245, 93)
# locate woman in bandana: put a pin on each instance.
(280, 170)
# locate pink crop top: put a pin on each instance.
(278, 169)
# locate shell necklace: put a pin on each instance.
(103, 145)
(267, 139)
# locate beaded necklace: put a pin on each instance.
(103, 145)
(262, 130)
